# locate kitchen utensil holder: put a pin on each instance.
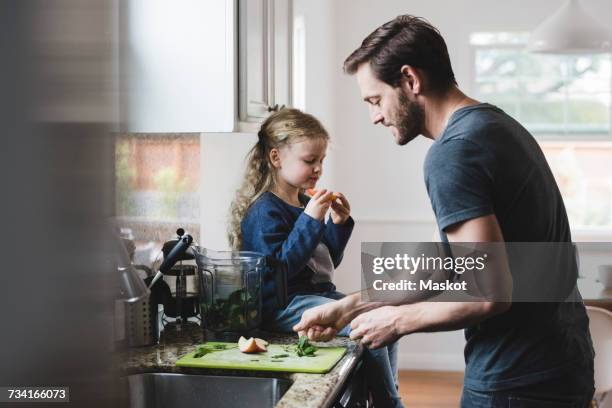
(141, 323)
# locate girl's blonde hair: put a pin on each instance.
(278, 130)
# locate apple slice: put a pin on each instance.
(247, 346)
(252, 345)
(261, 344)
(312, 191)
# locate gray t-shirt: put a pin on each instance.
(487, 163)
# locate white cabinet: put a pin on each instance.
(204, 65)
(178, 65)
(264, 57)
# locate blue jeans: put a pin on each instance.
(571, 392)
(381, 364)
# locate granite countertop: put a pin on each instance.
(307, 390)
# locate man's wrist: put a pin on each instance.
(348, 305)
(398, 321)
(401, 323)
(349, 302)
(356, 306)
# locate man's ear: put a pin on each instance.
(413, 80)
(275, 158)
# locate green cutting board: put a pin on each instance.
(324, 360)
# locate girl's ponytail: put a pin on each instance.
(257, 180)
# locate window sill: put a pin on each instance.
(146, 229)
(592, 234)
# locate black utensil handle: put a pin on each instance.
(174, 255)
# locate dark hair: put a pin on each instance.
(405, 40)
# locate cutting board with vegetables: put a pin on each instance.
(278, 357)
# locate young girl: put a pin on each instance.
(271, 215)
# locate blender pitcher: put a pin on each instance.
(230, 292)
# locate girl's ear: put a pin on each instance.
(275, 158)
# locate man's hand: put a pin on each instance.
(377, 327)
(322, 323)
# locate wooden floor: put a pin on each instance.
(430, 389)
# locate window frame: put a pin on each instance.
(539, 136)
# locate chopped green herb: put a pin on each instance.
(280, 356)
(201, 352)
(304, 348)
(302, 342)
(204, 349)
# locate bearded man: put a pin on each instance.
(488, 181)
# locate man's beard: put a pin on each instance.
(410, 119)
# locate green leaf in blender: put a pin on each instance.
(233, 311)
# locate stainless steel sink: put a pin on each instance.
(153, 390)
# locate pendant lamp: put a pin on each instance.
(570, 30)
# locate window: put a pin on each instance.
(549, 94)
(584, 175)
(157, 188)
(564, 101)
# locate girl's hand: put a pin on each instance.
(340, 209)
(319, 204)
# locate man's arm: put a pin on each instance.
(487, 229)
(384, 325)
(379, 324)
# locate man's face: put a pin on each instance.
(390, 106)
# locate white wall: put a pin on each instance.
(384, 182)
(222, 165)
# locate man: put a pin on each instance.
(488, 181)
